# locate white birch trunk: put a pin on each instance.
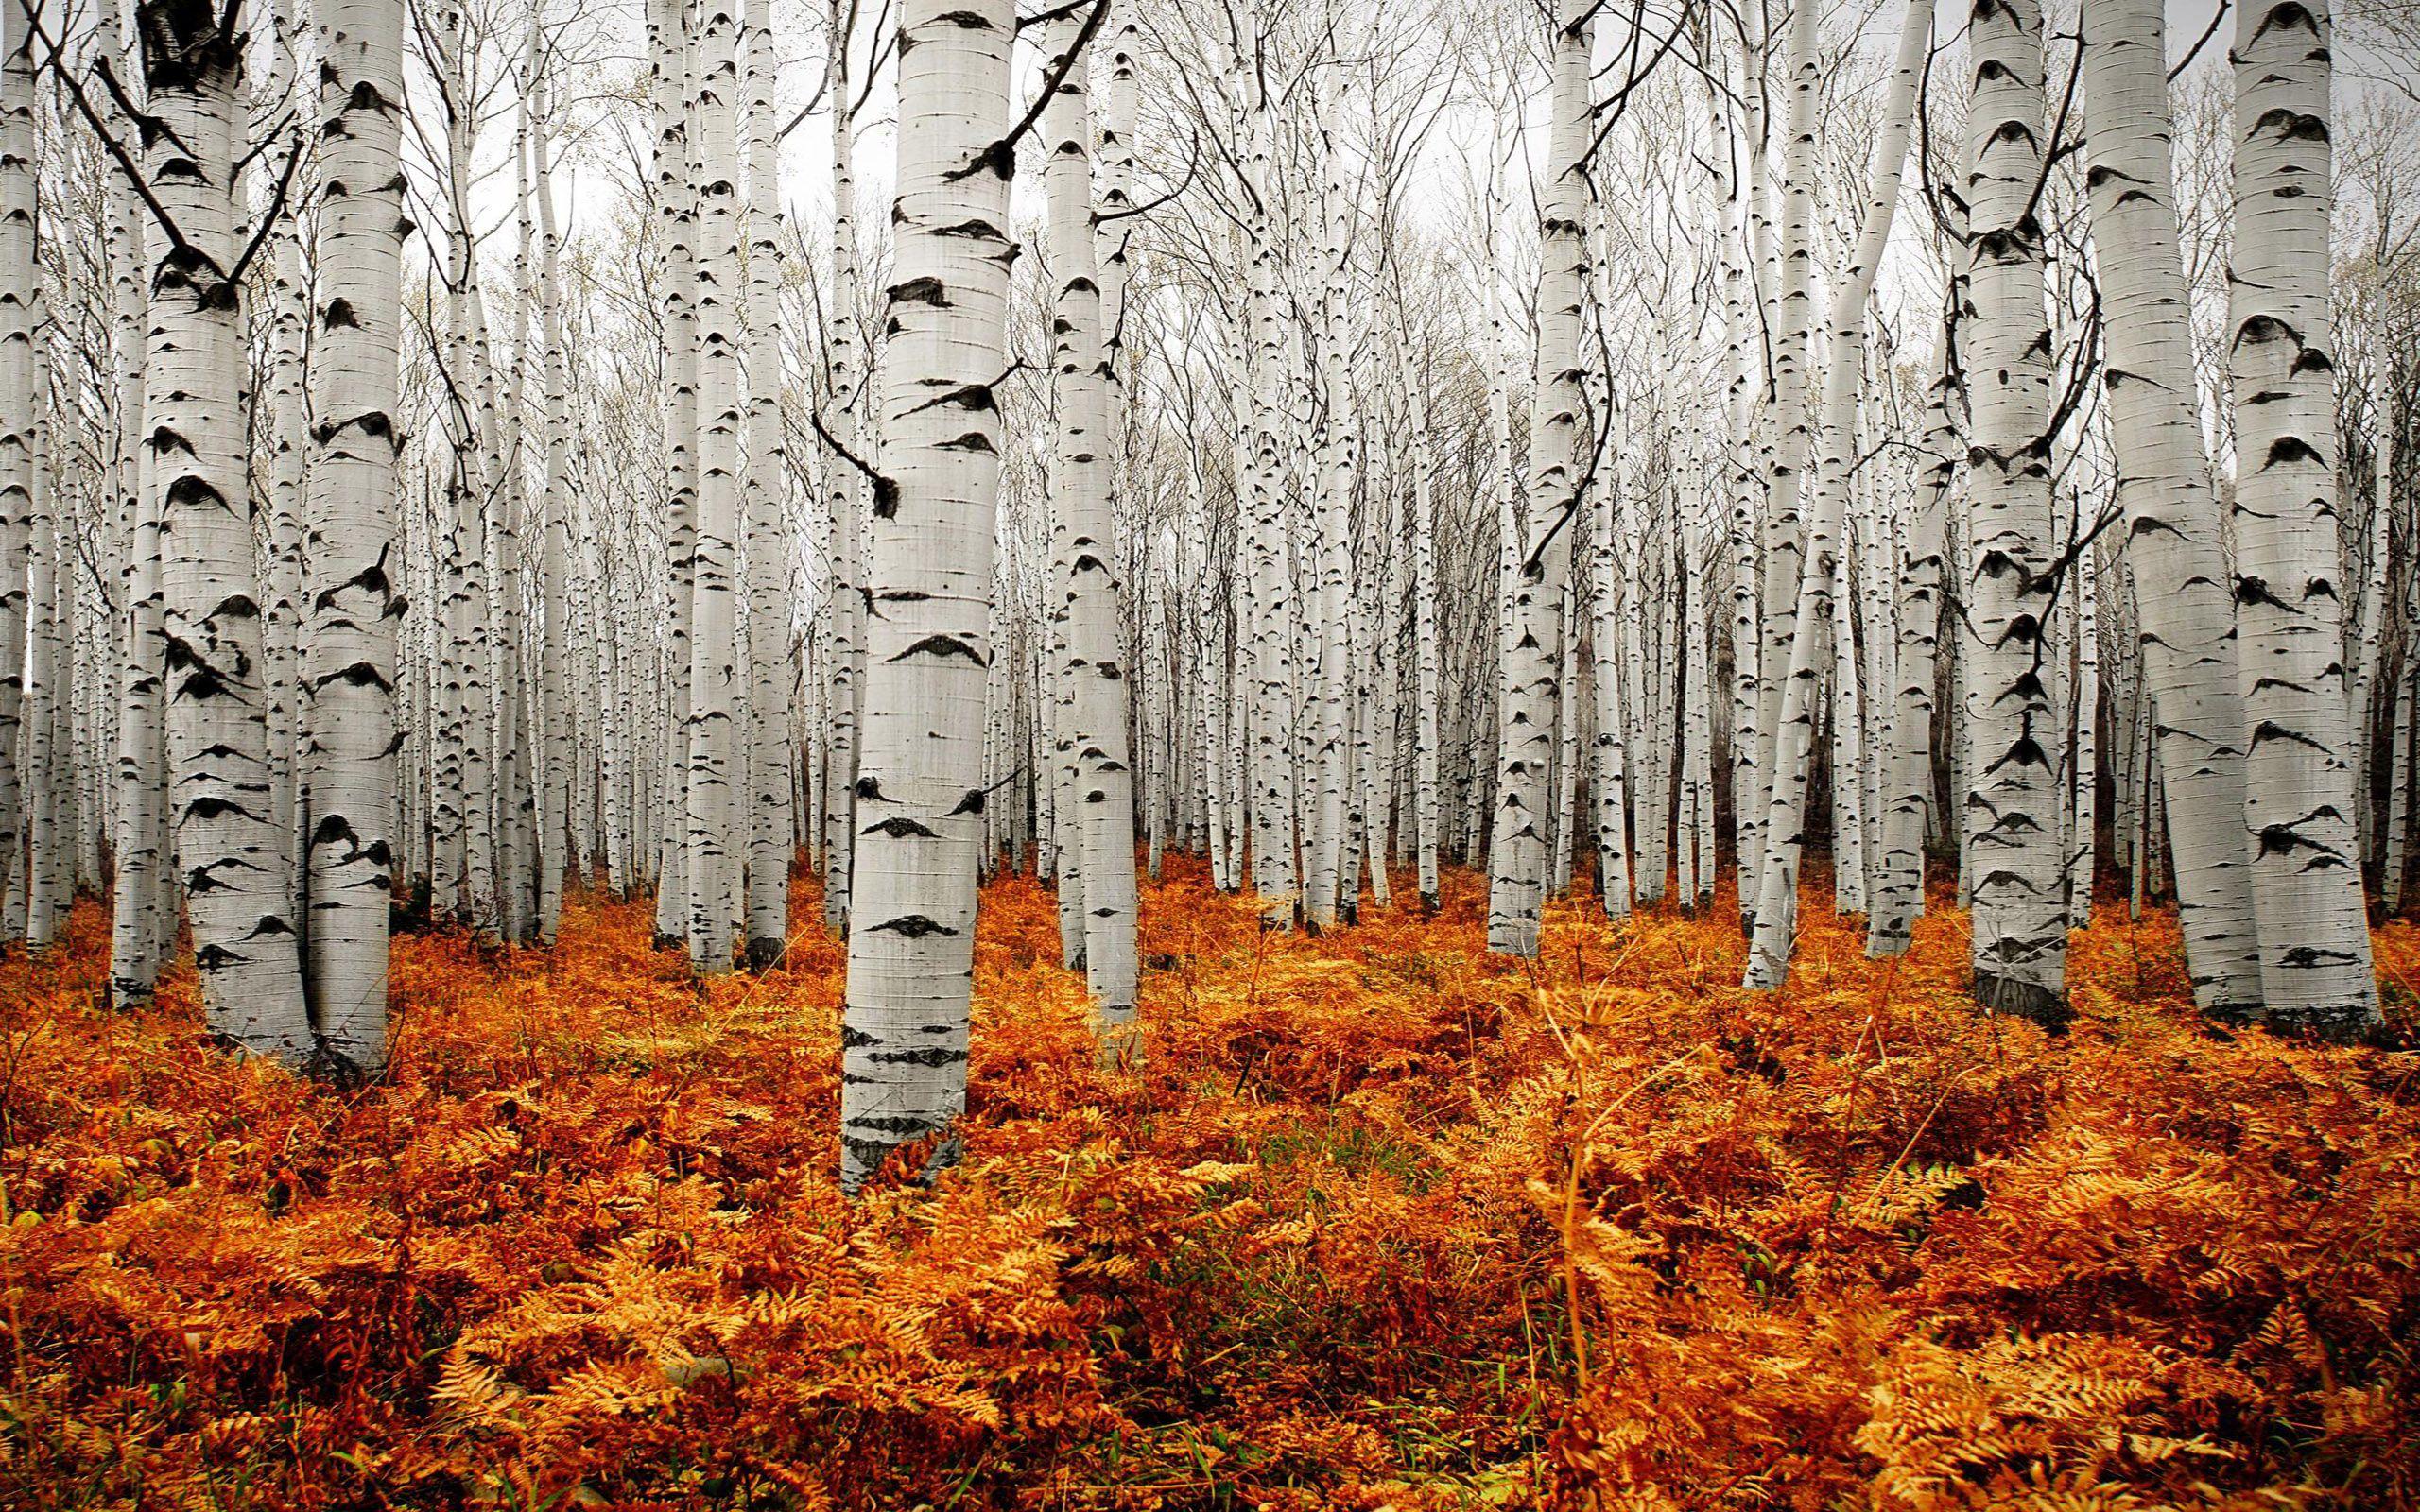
(1268, 575)
(2186, 620)
(771, 825)
(1792, 319)
(1528, 686)
(1610, 779)
(141, 926)
(21, 304)
(290, 442)
(842, 493)
(234, 858)
(1336, 463)
(2087, 731)
(672, 93)
(713, 723)
(554, 684)
(357, 598)
(1100, 822)
(911, 936)
(1428, 668)
(2019, 895)
(1697, 745)
(2298, 771)
(2399, 745)
(32, 904)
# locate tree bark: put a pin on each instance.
(2298, 768)
(2013, 831)
(352, 521)
(1528, 685)
(763, 487)
(1102, 821)
(234, 860)
(2186, 636)
(911, 938)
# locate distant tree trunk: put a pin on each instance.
(1427, 666)
(2400, 747)
(842, 492)
(1609, 780)
(1529, 687)
(2085, 782)
(21, 299)
(1848, 742)
(1698, 744)
(33, 913)
(2367, 633)
(1572, 684)
(769, 835)
(1102, 827)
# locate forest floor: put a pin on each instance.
(1852, 1246)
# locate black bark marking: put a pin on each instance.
(914, 926)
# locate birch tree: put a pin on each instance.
(21, 303)
(142, 923)
(1776, 909)
(1102, 821)
(356, 598)
(713, 718)
(842, 492)
(1529, 681)
(919, 797)
(2298, 766)
(2187, 640)
(233, 857)
(762, 491)
(2019, 898)
(672, 92)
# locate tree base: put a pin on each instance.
(2022, 999)
(865, 1161)
(330, 1069)
(764, 954)
(2336, 1024)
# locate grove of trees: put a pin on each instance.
(1628, 755)
(457, 451)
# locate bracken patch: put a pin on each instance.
(1381, 1221)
